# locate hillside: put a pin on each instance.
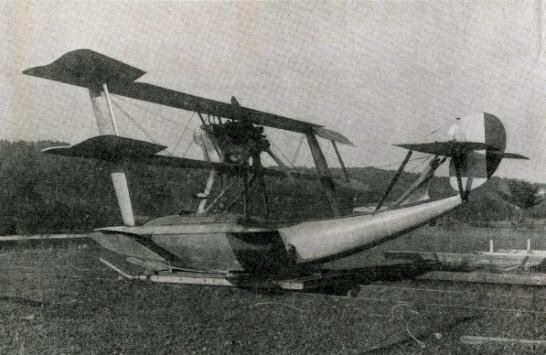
(42, 193)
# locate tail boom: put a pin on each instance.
(330, 239)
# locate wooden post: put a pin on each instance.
(528, 245)
(491, 245)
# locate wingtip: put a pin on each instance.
(55, 149)
(34, 71)
(515, 156)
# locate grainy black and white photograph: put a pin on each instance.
(263, 177)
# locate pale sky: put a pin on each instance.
(378, 72)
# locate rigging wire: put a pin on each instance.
(282, 153)
(421, 137)
(421, 163)
(155, 114)
(182, 134)
(435, 131)
(293, 162)
(398, 163)
(297, 184)
(132, 119)
(290, 161)
(150, 112)
(92, 128)
(187, 149)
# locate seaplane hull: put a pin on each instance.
(221, 244)
(233, 140)
(229, 246)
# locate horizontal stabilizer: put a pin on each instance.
(509, 155)
(447, 149)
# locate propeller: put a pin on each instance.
(262, 145)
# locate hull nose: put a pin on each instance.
(258, 253)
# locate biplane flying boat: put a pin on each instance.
(211, 246)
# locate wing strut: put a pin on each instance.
(110, 108)
(324, 173)
(394, 180)
(458, 161)
(106, 123)
(421, 180)
(341, 161)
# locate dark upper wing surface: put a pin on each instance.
(84, 67)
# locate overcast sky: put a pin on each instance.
(380, 73)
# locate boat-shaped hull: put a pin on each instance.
(231, 245)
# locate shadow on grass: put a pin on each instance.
(346, 282)
(23, 301)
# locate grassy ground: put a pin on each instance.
(61, 299)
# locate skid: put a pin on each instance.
(307, 283)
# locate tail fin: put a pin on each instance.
(476, 145)
(477, 166)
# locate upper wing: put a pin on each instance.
(84, 67)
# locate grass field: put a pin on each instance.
(61, 299)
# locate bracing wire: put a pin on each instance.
(282, 154)
(182, 134)
(398, 163)
(132, 119)
(295, 157)
(91, 128)
(155, 114)
(150, 112)
(436, 130)
(290, 161)
(187, 149)
(421, 163)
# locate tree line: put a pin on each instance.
(40, 193)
